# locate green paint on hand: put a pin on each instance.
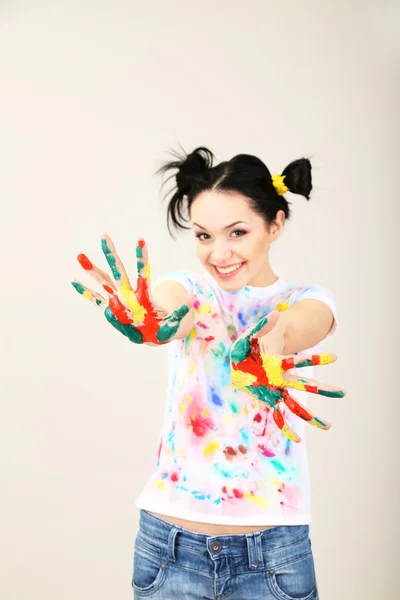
(98, 302)
(110, 259)
(139, 252)
(305, 363)
(330, 394)
(263, 393)
(241, 347)
(128, 330)
(140, 265)
(79, 288)
(171, 326)
(319, 421)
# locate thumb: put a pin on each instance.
(271, 322)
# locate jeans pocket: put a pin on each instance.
(295, 580)
(149, 570)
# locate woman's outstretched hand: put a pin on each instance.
(132, 312)
(265, 375)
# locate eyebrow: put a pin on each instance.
(227, 227)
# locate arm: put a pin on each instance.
(171, 295)
(301, 326)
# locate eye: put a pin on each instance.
(203, 236)
(238, 232)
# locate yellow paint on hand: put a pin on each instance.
(146, 270)
(129, 298)
(161, 486)
(326, 359)
(210, 448)
(273, 368)
(86, 294)
(241, 379)
(290, 434)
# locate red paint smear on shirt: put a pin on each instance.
(197, 421)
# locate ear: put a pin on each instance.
(276, 226)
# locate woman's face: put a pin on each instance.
(232, 240)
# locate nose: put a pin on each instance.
(220, 253)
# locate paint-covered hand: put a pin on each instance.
(266, 377)
(132, 312)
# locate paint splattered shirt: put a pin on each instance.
(221, 458)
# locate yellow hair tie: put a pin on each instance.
(280, 187)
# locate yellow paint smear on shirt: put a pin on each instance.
(204, 309)
(210, 448)
(282, 306)
(161, 486)
(255, 499)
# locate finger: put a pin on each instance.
(98, 275)
(301, 412)
(243, 345)
(307, 360)
(142, 256)
(314, 387)
(114, 262)
(93, 297)
(128, 296)
(280, 421)
(266, 324)
(172, 323)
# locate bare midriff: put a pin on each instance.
(211, 528)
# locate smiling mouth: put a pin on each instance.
(225, 272)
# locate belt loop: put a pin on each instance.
(254, 548)
(171, 543)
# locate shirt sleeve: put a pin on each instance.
(315, 292)
(181, 276)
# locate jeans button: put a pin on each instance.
(216, 546)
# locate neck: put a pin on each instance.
(264, 278)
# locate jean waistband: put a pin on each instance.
(254, 544)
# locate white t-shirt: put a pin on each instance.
(221, 457)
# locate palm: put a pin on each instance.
(132, 312)
(266, 377)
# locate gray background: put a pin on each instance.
(92, 94)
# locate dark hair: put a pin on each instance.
(246, 174)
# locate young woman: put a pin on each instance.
(225, 512)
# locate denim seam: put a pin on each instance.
(290, 562)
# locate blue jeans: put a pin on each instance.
(172, 563)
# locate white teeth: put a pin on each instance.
(229, 269)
